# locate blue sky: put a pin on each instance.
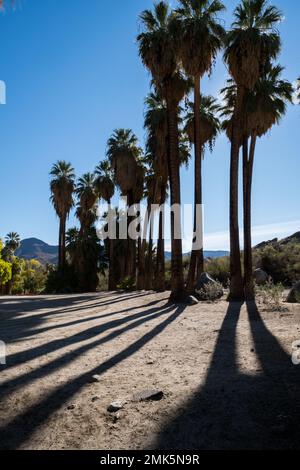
(73, 75)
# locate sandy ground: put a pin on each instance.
(225, 370)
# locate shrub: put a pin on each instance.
(281, 262)
(219, 269)
(271, 295)
(127, 284)
(59, 282)
(212, 291)
(5, 272)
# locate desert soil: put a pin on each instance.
(225, 371)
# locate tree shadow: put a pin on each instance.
(234, 410)
(19, 430)
(15, 324)
(31, 330)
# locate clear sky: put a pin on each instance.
(73, 74)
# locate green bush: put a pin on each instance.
(127, 284)
(59, 282)
(5, 272)
(271, 295)
(281, 262)
(219, 269)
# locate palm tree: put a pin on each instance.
(103, 183)
(88, 244)
(158, 49)
(12, 241)
(156, 125)
(124, 153)
(72, 238)
(86, 209)
(62, 187)
(209, 129)
(265, 106)
(252, 42)
(201, 39)
(105, 189)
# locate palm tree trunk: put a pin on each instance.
(63, 244)
(247, 177)
(236, 280)
(149, 274)
(60, 244)
(141, 281)
(177, 282)
(160, 256)
(131, 245)
(111, 270)
(197, 258)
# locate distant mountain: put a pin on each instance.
(276, 243)
(33, 248)
(207, 254)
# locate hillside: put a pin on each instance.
(33, 248)
(276, 243)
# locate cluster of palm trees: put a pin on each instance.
(179, 47)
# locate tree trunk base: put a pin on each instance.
(249, 293)
(178, 297)
(235, 297)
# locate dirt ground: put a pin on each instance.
(225, 371)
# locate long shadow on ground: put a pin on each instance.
(19, 430)
(15, 324)
(238, 411)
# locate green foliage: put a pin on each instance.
(127, 284)
(34, 277)
(219, 269)
(271, 295)
(59, 282)
(211, 292)
(281, 262)
(5, 272)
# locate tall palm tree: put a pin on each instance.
(201, 39)
(88, 246)
(62, 187)
(265, 106)
(156, 125)
(123, 153)
(105, 189)
(209, 129)
(252, 42)
(158, 49)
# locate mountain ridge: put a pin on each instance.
(34, 248)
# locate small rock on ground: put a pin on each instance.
(147, 395)
(95, 378)
(191, 300)
(116, 406)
